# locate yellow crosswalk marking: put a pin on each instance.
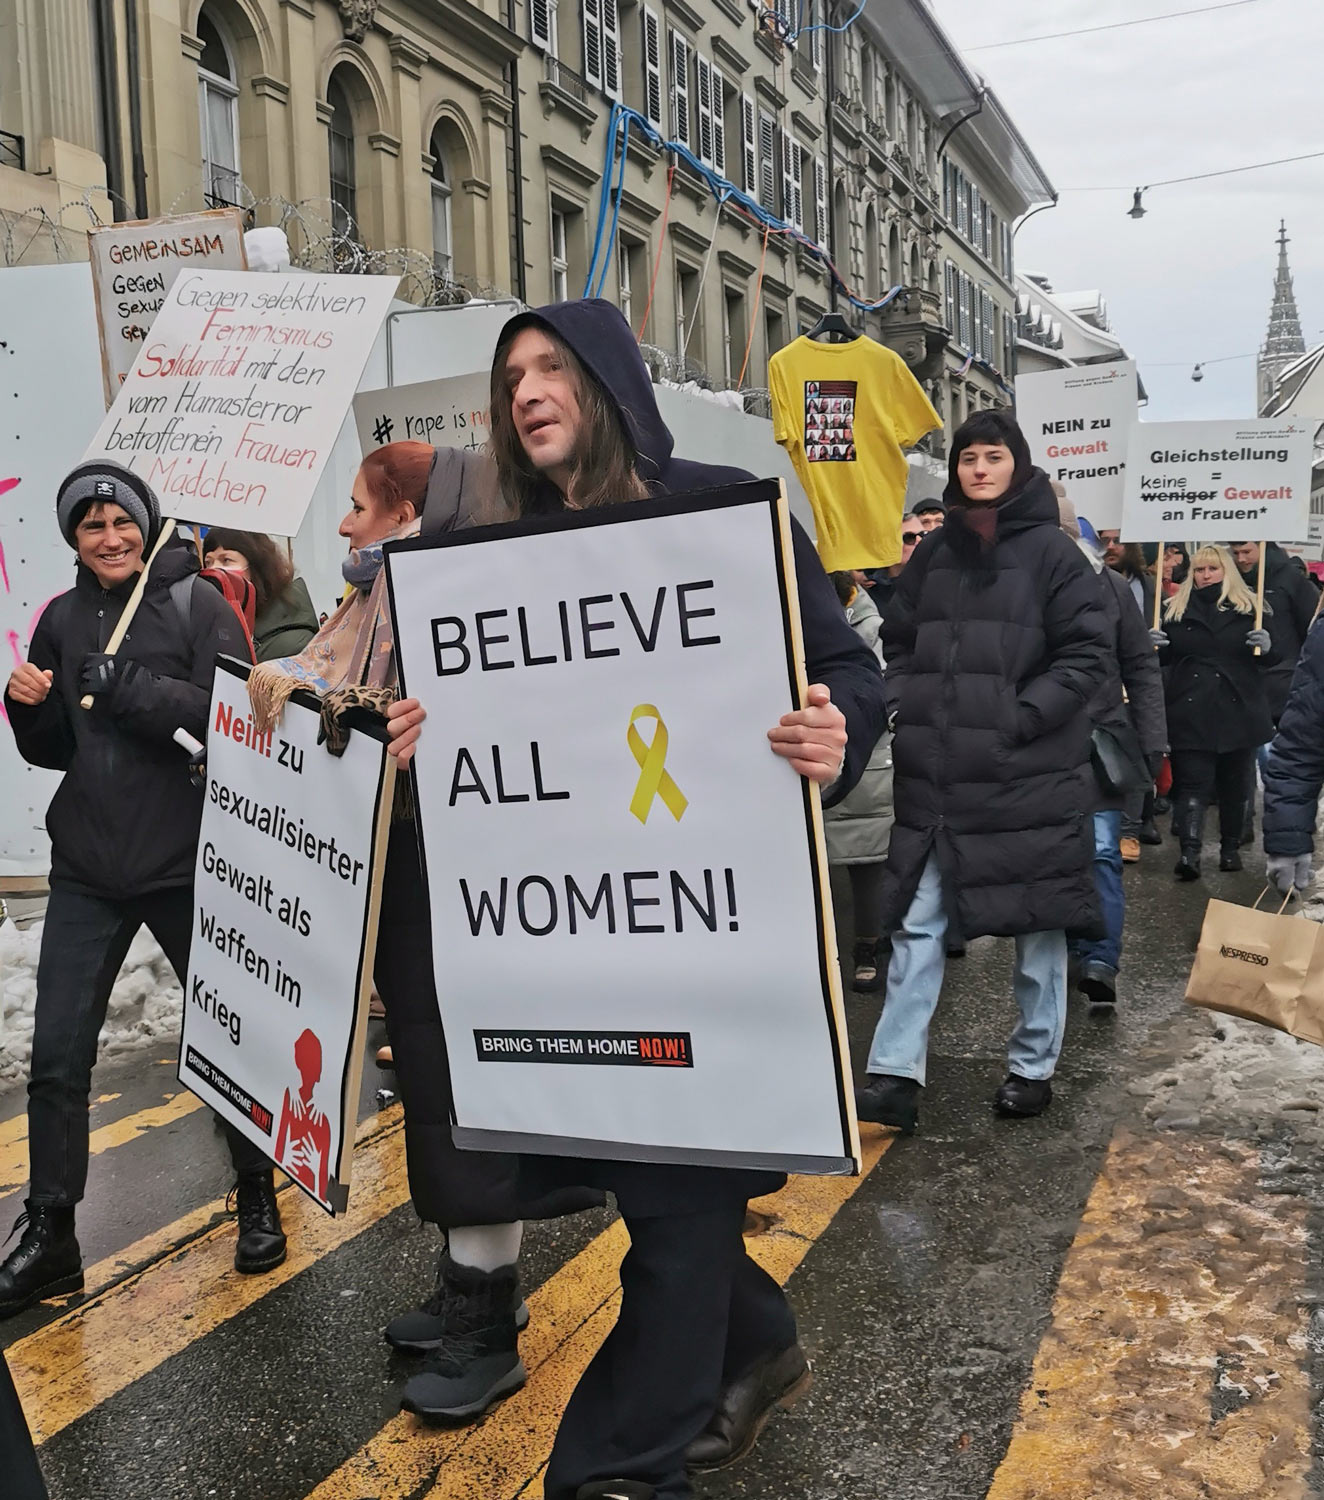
(14, 1136)
(570, 1315)
(1175, 1364)
(82, 1359)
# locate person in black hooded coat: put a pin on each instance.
(705, 1343)
(995, 644)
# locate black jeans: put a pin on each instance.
(696, 1312)
(1208, 777)
(83, 946)
(866, 888)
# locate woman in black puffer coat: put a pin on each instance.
(1218, 705)
(995, 643)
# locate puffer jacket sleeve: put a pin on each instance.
(43, 734)
(155, 706)
(897, 637)
(1141, 676)
(1295, 772)
(836, 657)
(1078, 639)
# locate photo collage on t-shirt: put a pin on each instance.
(830, 421)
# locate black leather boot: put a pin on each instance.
(261, 1244)
(478, 1363)
(46, 1262)
(1229, 857)
(1189, 818)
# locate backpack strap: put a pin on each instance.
(181, 596)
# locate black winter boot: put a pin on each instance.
(1229, 859)
(423, 1329)
(46, 1262)
(261, 1244)
(888, 1100)
(478, 1363)
(1189, 817)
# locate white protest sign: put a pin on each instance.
(287, 887)
(448, 413)
(135, 264)
(1231, 480)
(239, 391)
(1078, 423)
(630, 906)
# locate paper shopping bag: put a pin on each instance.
(1258, 965)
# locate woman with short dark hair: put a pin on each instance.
(285, 620)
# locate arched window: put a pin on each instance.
(873, 271)
(344, 206)
(443, 232)
(916, 278)
(895, 269)
(218, 107)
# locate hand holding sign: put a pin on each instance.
(813, 739)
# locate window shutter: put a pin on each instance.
(822, 229)
(703, 80)
(680, 88)
(949, 288)
(652, 67)
(592, 14)
(767, 162)
(749, 148)
(718, 85)
(611, 49)
(792, 181)
(815, 10)
(540, 24)
(966, 341)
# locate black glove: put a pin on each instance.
(197, 767)
(102, 674)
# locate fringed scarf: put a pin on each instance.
(349, 662)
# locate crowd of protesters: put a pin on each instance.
(987, 722)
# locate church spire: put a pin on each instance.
(1284, 341)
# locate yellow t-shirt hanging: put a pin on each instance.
(844, 412)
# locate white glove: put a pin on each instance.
(1157, 639)
(1289, 871)
(1260, 639)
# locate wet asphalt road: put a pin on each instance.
(923, 1304)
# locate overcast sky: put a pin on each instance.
(1193, 280)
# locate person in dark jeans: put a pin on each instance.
(124, 831)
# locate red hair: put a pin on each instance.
(398, 473)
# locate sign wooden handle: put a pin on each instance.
(135, 599)
(1259, 596)
(1158, 590)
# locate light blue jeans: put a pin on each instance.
(914, 982)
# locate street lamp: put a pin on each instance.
(1137, 209)
(1197, 374)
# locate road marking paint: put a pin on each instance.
(570, 1315)
(105, 1343)
(14, 1135)
(1175, 1362)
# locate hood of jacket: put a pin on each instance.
(606, 346)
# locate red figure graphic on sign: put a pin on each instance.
(303, 1141)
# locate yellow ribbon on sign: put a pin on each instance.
(654, 780)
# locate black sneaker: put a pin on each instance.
(744, 1407)
(1229, 860)
(1148, 832)
(261, 1244)
(1023, 1097)
(1098, 982)
(616, 1489)
(887, 1100)
(478, 1363)
(46, 1262)
(423, 1329)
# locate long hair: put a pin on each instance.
(602, 466)
(1133, 563)
(269, 570)
(1233, 595)
(398, 472)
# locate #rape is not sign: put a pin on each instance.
(629, 898)
(286, 890)
(1235, 481)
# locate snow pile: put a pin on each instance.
(145, 1004)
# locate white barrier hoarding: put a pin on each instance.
(287, 887)
(238, 393)
(1231, 481)
(135, 264)
(448, 413)
(630, 910)
(1078, 424)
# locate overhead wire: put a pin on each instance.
(1254, 166)
(1052, 36)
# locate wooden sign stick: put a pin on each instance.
(1259, 596)
(1158, 590)
(135, 599)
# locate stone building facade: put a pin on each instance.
(466, 141)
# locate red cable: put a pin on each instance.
(661, 242)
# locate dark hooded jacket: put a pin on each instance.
(1290, 598)
(992, 659)
(1295, 770)
(124, 821)
(834, 656)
